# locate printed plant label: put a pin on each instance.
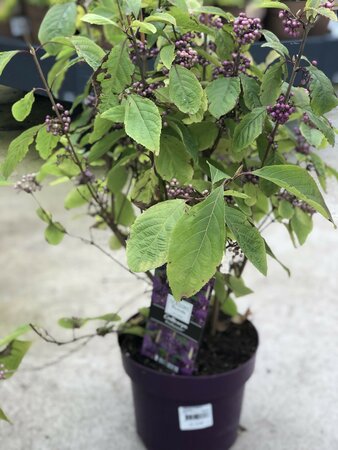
(174, 329)
(195, 417)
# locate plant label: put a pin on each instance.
(195, 417)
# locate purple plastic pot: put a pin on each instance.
(164, 417)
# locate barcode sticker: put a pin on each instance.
(195, 417)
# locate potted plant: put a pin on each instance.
(186, 150)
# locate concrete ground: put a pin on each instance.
(83, 401)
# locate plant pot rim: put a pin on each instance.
(189, 378)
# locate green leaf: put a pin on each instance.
(132, 6)
(143, 122)
(3, 416)
(54, 233)
(185, 90)
(273, 256)
(45, 143)
(272, 83)
(147, 247)
(44, 215)
(204, 133)
(285, 209)
(123, 210)
(301, 224)
(196, 246)
(88, 50)
(312, 135)
(217, 174)
(223, 95)
(323, 125)
(96, 19)
(162, 18)
(145, 188)
(167, 55)
(77, 197)
(143, 27)
(72, 323)
(104, 145)
(250, 127)
(5, 58)
(12, 356)
(229, 307)
(173, 161)
(119, 67)
(273, 42)
(115, 114)
(238, 286)
(100, 129)
(224, 44)
(271, 4)
(60, 20)
(298, 182)
(14, 335)
(248, 238)
(251, 92)
(232, 193)
(22, 108)
(116, 179)
(323, 98)
(18, 149)
(327, 13)
(320, 168)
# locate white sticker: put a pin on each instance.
(180, 310)
(195, 417)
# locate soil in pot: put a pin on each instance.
(192, 412)
(225, 351)
(273, 23)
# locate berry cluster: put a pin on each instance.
(210, 20)
(56, 126)
(186, 56)
(145, 90)
(28, 183)
(174, 190)
(285, 195)
(3, 372)
(247, 29)
(228, 68)
(142, 51)
(250, 178)
(302, 145)
(281, 111)
(90, 100)
(292, 26)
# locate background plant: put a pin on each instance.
(178, 122)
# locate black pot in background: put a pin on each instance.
(163, 406)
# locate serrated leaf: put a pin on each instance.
(115, 114)
(323, 125)
(45, 143)
(143, 122)
(5, 58)
(77, 197)
(273, 42)
(196, 246)
(313, 136)
(323, 98)
(224, 44)
(217, 175)
(298, 182)
(250, 127)
(12, 356)
(88, 50)
(100, 128)
(3, 416)
(96, 19)
(60, 20)
(205, 134)
(162, 18)
(54, 233)
(22, 108)
(147, 246)
(248, 238)
(173, 161)
(223, 94)
(272, 83)
(167, 55)
(119, 67)
(301, 224)
(251, 92)
(18, 149)
(185, 90)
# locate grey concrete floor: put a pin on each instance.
(83, 401)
